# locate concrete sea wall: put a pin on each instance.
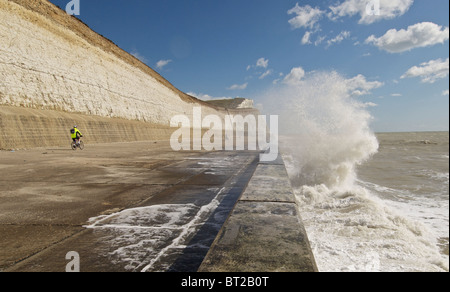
(29, 128)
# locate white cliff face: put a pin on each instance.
(44, 65)
(246, 103)
(56, 72)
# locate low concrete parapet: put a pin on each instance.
(264, 232)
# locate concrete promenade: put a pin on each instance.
(135, 207)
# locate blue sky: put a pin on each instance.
(396, 62)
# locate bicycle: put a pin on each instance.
(76, 145)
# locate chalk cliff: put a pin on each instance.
(55, 69)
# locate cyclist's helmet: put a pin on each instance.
(75, 127)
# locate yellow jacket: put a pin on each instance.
(74, 133)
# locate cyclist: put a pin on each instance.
(76, 135)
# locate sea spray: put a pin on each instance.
(327, 130)
(326, 137)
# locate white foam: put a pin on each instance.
(186, 230)
(142, 236)
(346, 226)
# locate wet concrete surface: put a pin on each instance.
(122, 207)
(264, 232)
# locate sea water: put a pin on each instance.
(369, 202)
(394, 217)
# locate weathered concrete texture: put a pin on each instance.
(269, 184)
(30, 128)
(264, 233)
(123, 206)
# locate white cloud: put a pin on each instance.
(162, 63)
(416, 36)
(396, 94)
(306, 38)
(265, 74)
(339, 38)
(445, 92)
(388, 9)
(306, 16)
(358, 85)
(238, 86)
(138, 56)
(295, 76)
(262, 63)
(319, 40)
(206, 97)
(370, 104)
(430, 71)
